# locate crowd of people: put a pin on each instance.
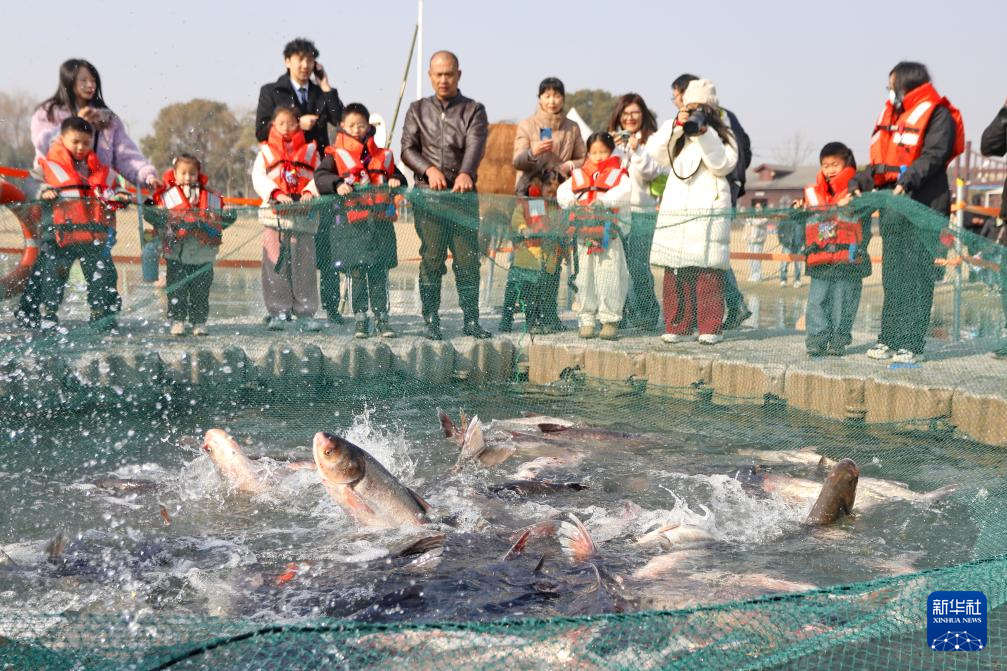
(629, 198)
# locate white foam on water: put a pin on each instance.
(386, 444)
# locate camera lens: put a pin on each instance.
(695, 121)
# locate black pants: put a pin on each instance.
(189, 291)
(454, 227)
(907, 277)
(54, 264)
(328, 287)
(370, 283)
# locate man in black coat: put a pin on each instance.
(317, 105)
(994, 143)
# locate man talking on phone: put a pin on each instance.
(317, 105)
(443, 142)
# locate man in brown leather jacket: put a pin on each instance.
(443, 142)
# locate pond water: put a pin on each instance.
(183, 541)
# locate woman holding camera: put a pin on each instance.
(546, 142)
(693, 233)
(79, 94)
(631, 125)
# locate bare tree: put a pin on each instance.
(16, 150)
(794, 151)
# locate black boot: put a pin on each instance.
(432, 329)
(509, 302)
(472, 328)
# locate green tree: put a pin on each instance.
(210, 131)
(16, 150)
(595, 106)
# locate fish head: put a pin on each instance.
(842, 481)
(222, 448)
(339, 461)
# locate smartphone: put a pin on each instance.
(545, 134)
(319, 71)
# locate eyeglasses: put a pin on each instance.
(632, 115)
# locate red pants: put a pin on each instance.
(693, 297)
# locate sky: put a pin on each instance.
(785, 68)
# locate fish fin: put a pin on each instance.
(421, 546)
(463, 421)
(5, 559)
(517, 549)
(473, 443)
(540, 565)
(496, 454)
(302, 466)
(288, 575)
(55, 548)
(546, 427)
(576, 540)
(420, 501)
(447, 426)
(165, 516)
(941, 493)
(355, 502)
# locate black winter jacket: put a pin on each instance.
(994, 143)
(281, 93)
(450, 136)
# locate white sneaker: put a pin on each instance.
(711, 338)
(880, 352)
(675, 337)
(797, 284)
(309, 324)
(275, 323)
(200, 330)
(905, 356)
(783, 283)
(177, 328)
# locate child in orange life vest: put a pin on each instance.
(598, 196)
(836, 253)
(538, 254)
(282, 175)
(79, 226)
(363, 232)
(190, 221)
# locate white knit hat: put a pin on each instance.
(701, 91)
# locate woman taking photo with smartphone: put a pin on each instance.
(631, 125)
(548, 142)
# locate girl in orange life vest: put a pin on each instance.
(190, 220)
(837, 258)
(282, 175)
(78, 225)
(538, 254)
(362, 238)
(917, 136)
(598, 194)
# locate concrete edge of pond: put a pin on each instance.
(958, 385)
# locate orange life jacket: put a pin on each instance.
(898, 136)
(292, 170)
(362, 172)
(536, 218)
(595, 226)
(830, 240)
(200, 221)
(84, 217)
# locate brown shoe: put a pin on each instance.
(609, 331)
(586, 332)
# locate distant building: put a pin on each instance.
(773, 185)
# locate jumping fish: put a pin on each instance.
(234, 465)
(363, 487)
(837, 496)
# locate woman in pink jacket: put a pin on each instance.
(79, 94)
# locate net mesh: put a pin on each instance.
(949, 434)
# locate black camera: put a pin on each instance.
(694, 123)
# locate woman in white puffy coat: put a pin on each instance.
(692, 240)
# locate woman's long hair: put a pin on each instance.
(64, 96)
(648, 122)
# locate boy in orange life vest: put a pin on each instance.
(598, 195)
(282, 175)
(538, 253)
(837, 257)
(79, 226)
(190, 220)
(363, 234)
